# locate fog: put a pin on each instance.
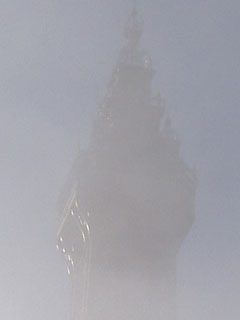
(56, 60)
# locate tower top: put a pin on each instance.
(134, 26)
(134, 4)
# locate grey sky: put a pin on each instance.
(56, 57)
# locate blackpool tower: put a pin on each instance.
(129, 201)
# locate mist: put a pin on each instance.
(56, 60)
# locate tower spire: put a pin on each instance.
(134, 4)
(134, 25)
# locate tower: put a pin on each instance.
(129, 201)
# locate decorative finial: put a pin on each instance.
(134, 11)
(134, 26)
(134, 4)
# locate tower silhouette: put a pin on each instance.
(129, 200)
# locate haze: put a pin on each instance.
(56, 59)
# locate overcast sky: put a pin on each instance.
(55, 59)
